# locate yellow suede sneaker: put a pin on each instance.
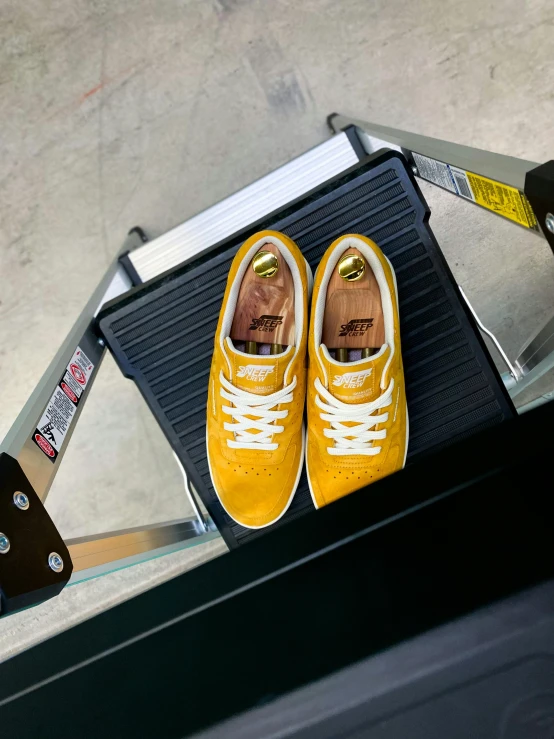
(257, 387)
(357, 415)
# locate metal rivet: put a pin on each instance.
(55, 562)
(265, 264)
(4, 544)
(101, 342)
(21, 501)
(549, 220)
(414, 169)
(351, 267)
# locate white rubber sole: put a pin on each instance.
(310, 277)
(407, 439)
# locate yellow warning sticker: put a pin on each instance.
(502, 199)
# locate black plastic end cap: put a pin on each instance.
(329, 121)
(539, 189)
(139, 232)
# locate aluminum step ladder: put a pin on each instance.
(362, 179)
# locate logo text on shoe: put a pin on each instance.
(265, 323)
(254, 372)
(356, 327)
(351, 379)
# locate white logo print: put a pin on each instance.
(255, 372)
(351, 379)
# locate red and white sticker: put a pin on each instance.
(44, 445)
(78, 374)
(54, 423)
(69, 392)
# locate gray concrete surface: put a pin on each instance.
(115, 114)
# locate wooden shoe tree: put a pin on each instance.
(265, 305)
(353, 317)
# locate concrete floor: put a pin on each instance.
(115, 114)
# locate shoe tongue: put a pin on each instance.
(261, 374)
(356, 382)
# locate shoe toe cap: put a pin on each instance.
(330, 480)
(257, 495)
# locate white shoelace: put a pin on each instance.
(248, 405)
(353, 439)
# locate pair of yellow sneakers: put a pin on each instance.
(357, 416)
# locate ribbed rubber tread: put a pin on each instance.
(163, 337)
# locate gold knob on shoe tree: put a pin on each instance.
(265, 264)
(351, 267)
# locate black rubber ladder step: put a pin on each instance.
(162, 336)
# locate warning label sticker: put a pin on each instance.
(54, 423)
(503, 199)
(434, 171)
